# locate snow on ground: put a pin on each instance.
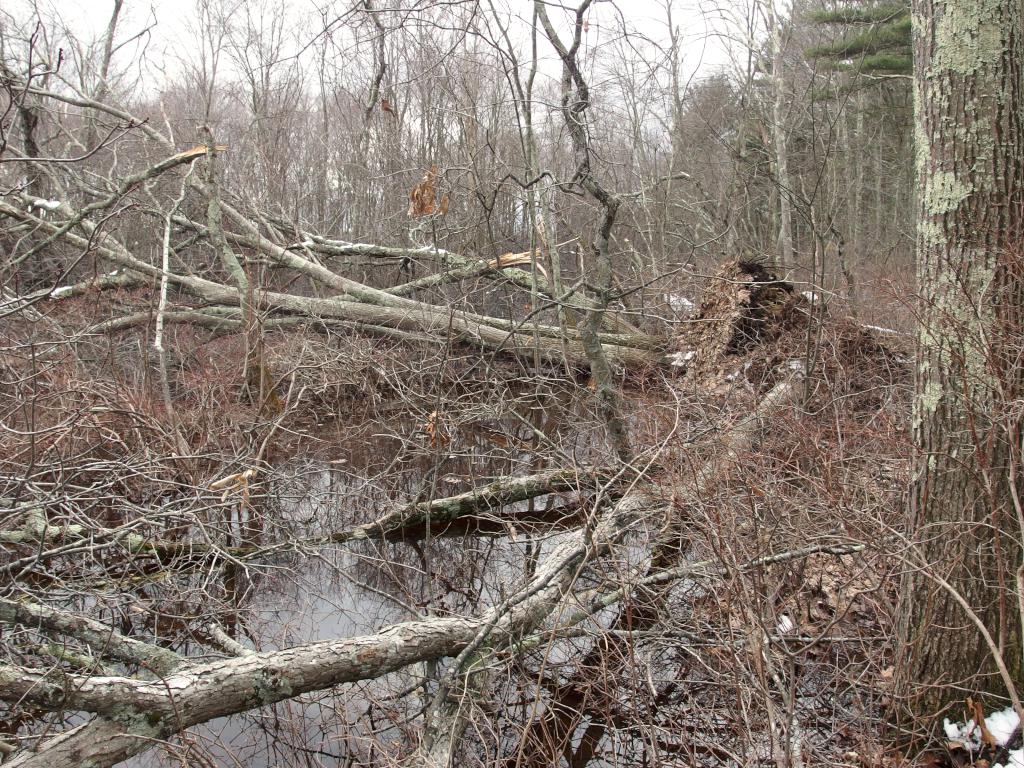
(1001, 725)
(680, 359)
(678, 302)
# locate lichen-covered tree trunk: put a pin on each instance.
(970, 163)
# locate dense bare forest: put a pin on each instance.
(511, 383)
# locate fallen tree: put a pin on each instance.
(132, 576)
(40, 530)
(131, 713)
(140, 693)
(355, 301)
(171, 693)
(370, 308)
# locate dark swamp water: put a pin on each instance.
(348, 472)
(684, 694)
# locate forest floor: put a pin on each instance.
(777, 647)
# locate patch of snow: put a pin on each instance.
(680, 359)
(1016, 760)
(1001, 725)
(59, 293)
(809, 295)
(785, 625)
(953, 731)
(880, 329)
(678, 302)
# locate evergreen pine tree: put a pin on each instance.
(877, 38)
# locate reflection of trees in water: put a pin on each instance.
(395, 462)
(621, 689)
(365, 585)
(295, 596)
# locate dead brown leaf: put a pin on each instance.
(978, 713)
(423, 198)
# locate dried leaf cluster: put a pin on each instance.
(423, 199)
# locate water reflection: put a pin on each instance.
(351, 474)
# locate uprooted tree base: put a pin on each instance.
(752, 329)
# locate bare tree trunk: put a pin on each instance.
(575, 101)
(256, 381)
(964, 509)
(780, 143)
(158, 335)
(856, 147)
(102, 91)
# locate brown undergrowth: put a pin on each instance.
(747, 661)
(790, 661)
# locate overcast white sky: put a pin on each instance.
(704, 24)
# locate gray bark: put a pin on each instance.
(780, 144)
(358, 302)
(575, 102)
(964, 510)
(132, 713)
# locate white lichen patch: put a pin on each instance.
(943, 192)
(931, 234)
(931, 396)
(968, 36)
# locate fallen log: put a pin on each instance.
(485, 500)
(132, 714)
(370, 306)
(456, 267)
(561, 719)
